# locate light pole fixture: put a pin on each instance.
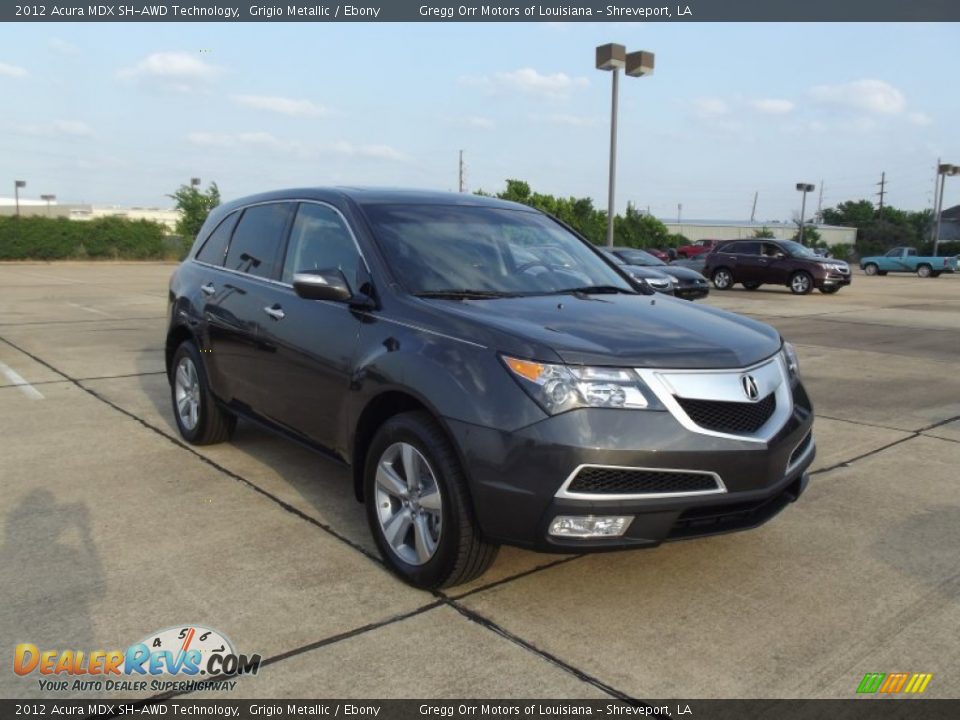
(194, 182)
(804, 188)
(943, 169)
(17, 184)
(615, 58)
(48, 198)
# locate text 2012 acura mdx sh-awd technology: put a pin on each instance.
(483, 391)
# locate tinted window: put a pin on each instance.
(319, 240)
(257, 240)
(771, 250)
(215, 247)
(745, 248)
(732, 248)
(435, 248)
(640, 257)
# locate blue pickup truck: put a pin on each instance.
(905, 259)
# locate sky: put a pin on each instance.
(122, 114)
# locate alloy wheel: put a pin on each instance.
(187, 393)
(800, 283)
(409, 505)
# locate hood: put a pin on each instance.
(646, 272)
(683, 273)
(621, 330)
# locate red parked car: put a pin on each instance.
(697, 248)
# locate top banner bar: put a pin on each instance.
(502, 11)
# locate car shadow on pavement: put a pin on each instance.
(55, 541)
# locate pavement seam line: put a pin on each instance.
(309, 647)
(88, 379)
(915, 434)
(581, 675)
(511, 578)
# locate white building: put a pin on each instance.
(732, 230)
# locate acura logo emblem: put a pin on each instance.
(750, 388)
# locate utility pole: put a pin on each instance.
(679, 212)
(820, 204)
(461, 171)
(883, 190)
(936, 203)
(753, 210)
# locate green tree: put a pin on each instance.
(194, 206)
(852, 213)
(636, 229)
(764, 232)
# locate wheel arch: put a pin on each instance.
(378, 410)
(175, 336)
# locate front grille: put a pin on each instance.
(632, 481)
(729, 417)
(800, 450)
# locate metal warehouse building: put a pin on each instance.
(731, 230)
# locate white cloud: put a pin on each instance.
(264, 140)
(180, 71)
(63, 47)
(477, 122)
(871, 96)
(12, 71)
(772, 106)
(574, 120)
(710, 107)
(59, 129)
(529, 81)
(919, 118)
(282, 105)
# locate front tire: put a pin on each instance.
(870, 268)
(801, 283)
(199, 419)
(722, 279)
(418, 505)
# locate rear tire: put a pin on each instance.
(870, 268)
(801, 283)
(200, 420)
(924, 271)
(722, 279)
(436, 544)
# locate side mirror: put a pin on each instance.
(322, 285)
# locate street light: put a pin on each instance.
(17, 184)
(804, 188)
(943, 170)
(615, 57)
(48, 198)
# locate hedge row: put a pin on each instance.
(40, 238)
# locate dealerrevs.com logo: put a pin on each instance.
(195, 657)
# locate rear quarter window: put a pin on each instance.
(214, 248)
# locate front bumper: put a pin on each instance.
(692, 291)
(834, 280)
(515, 476)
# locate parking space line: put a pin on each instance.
(18, 382)
(92, 310)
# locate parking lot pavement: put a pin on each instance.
(114, 528)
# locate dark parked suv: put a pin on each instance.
(490, 377)
(776, 262)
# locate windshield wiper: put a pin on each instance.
(464, 294)
(595, 290)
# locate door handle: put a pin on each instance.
(208, 289)
(276, 313)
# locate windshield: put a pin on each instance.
(486, 251)
(640, 257)
(797, 250)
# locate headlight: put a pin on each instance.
(558, 388)
(790, 356)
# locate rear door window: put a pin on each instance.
(214, 249)
(258, 240)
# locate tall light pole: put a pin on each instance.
(943, 169)
(804, 188)
(615, 57)
(17, 184)
(48, 198)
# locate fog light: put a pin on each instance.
(584, 526)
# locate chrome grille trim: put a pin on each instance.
(724, 385)
(598, 497)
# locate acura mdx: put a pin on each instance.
(489, 376)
